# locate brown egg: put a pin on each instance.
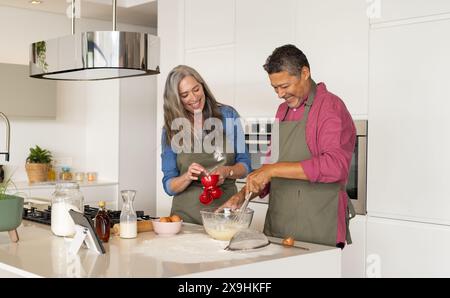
(164, 219)
(289, 241)
(175, 218)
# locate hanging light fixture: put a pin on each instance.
(96, 55)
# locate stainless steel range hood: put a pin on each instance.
(97, 55)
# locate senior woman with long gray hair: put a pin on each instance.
(201, 136)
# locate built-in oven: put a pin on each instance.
(258, 136)
(357, 180)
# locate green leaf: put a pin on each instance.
(39, 155)
(7, 182)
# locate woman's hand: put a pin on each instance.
(194, 171)
(258, 179)
(223, 172)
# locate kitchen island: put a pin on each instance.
(191, 253)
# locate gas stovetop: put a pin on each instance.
(45, 216)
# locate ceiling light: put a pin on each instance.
(96, 55)
(35, 1)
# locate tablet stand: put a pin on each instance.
(83, 234)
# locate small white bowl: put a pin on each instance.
(166, 228)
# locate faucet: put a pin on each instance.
(8, 131)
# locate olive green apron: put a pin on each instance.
(187, 204)
(301, 209)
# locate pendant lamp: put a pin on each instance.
(95, 55)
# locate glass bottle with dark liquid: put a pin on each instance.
(102, 223)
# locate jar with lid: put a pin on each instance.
(51, 176)
(66, 174)
(67, 196)
(79, 177)
(91, 176)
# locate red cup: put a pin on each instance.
(210, 180)
(216, 193)
(205, 198)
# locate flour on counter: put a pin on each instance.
(197, 248)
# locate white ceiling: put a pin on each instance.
(135, 12)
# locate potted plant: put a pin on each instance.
(38, 163)
(11, 210)
(41, 50)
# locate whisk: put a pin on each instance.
(241, 211)
(220, 158)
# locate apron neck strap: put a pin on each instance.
(309, 102)
(312, 93)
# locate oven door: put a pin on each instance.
(357, 181)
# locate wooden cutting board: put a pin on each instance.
(142, 226)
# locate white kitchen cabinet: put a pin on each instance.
(22, 96)
(208, 23)
(261, 26)
(354, 255)
(220, 77)
(259, 215)
(408, 146)
(393, 10)
(407, 249)
(334, 36)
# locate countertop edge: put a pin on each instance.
(17, 272)
(23, 185)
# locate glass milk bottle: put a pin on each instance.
(66, 196)
(128, 218)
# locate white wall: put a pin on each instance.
(86, 128)
(137, 146)
(170, 30)
(102, 128)
(64, 136)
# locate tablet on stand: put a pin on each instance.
(85, 233)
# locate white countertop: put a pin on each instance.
(191, 253)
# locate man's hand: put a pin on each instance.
(194, 171)
(223, 172)
(233, 203)
(258, 179)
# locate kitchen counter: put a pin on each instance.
(191, 253)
